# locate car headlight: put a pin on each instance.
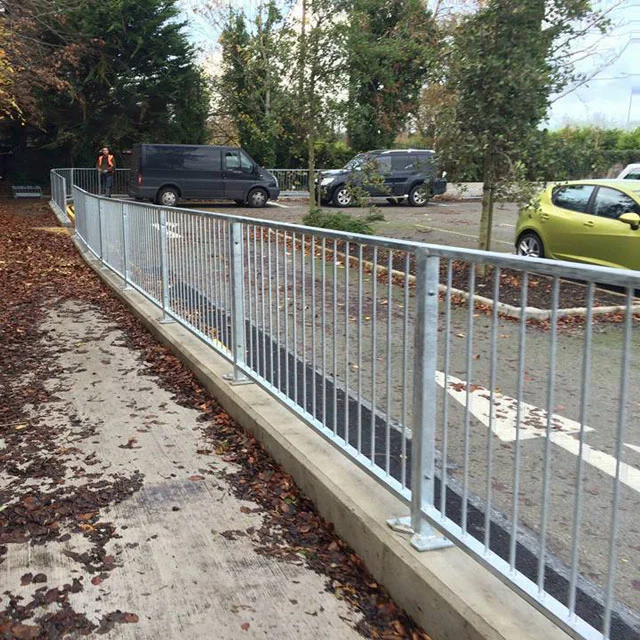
(325, 181)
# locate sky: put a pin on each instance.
(610, 97)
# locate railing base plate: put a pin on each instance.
(428, 540)
(234, 381)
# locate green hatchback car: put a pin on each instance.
(594, 221)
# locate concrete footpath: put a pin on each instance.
(183, 562)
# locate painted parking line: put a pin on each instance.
(533, 422)
(277, 204)
(459, 233)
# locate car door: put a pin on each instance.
(403, 169)
(238, 174)
(566, 223)
(377, 176)
(610, 242)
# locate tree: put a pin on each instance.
(250, 92)
(504, 63)
(37, 50)
(390, 49)
(134, 80)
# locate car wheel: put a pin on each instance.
(530, 245)
(167, 197)
(342, 197)
(419, 196)
(257, 198)
(240, 203)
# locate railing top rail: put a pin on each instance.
(560, 268)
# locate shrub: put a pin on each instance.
(340, 221)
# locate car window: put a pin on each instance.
(401, 162)
(574, 197)
(383, 165)
(611, 203)
(633, 175)
(202, 159)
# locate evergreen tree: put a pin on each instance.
(390, 48)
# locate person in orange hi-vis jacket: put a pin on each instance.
(106, 165)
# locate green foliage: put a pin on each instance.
(342, 221)
(139, 83)
(574, 153)
(390, 49)
(503, 64)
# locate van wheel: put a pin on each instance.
(419, 196)
(257, 198)
(167, 197)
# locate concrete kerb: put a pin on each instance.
(449, 594)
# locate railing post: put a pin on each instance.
(238, 325)
(125, 245)
(164, 262)
(423, 441)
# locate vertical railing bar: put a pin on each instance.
(445, 391)
(620, 435)
(577, 511)
(335, 337)
(294, 281)
(286, 314)
(374, 351)
(347, 267)
(519, 397)
(360, 319)
(278, 324)
(388, 407)
(263, 306)
(323, 332)
(492, 406)
(546, 482)
(303, 277)
(219, 282)
(405, 371)
(313, 328)
(468, 400)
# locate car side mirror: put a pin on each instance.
(632, 219)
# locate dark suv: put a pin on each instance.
(391, 173)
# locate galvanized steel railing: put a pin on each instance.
(292, 182)
(512, 440)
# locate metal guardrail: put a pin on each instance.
(292, 182)
(424, 392)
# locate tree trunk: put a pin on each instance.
(486, 218)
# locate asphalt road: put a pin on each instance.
(454, 223)
(317, 371)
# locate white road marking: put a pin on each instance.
(633, 447)
(170, 225)
(533, 424)
(506, 224)
(277, 204)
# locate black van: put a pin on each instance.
(406, 173)
(165, 173)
